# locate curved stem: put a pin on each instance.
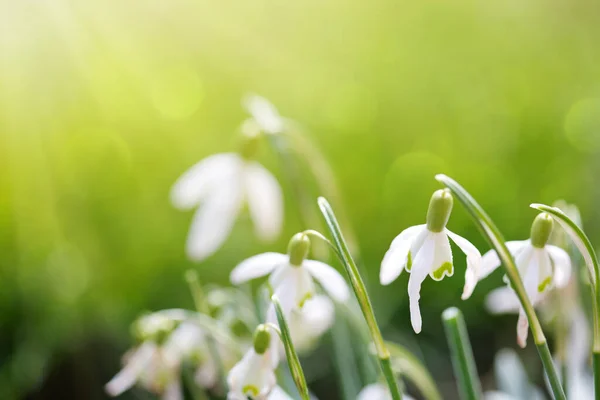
(495, 238)
(362, 296)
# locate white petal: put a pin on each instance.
(200, 179)
(562, 265)
(173, 391)
(522, 329)
(421, 267)
(279, 394)
(545, 277)
(530, 272)
(310, 322)
(331, 280)
(395, 258)
(490, 260)
(134, 367)
(265, 201)
(256, 266)
(442, 260)
(502, 301)
(578, 343)
(473, 262)
(255, 370)
(374, 391)
(264, 113)
(214, 220)
(494, 395)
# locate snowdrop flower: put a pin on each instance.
(542, 266)
(155, 369)
(264, 114)
(309, 323)
(220, 185)
(425, 250)
(292, 275)
(377, 391)
(254, 377)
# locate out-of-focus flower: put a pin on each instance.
(220, 185)
(253, 377)
(377, 391)
(291, 275)
(511, 379)
(149, 364)
(425, 250)
(264, 114)
(308, 323)
(542, 266)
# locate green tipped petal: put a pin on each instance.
(439, 210)
(446, 268)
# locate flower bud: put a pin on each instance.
(541, 230)
(249, 145)
(439, 210)
(153, 327)
(298, 248)
(262, 339)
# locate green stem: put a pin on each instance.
(495, 238)
(292, 357)
(548, 363)
(362, 296)
(462, 354)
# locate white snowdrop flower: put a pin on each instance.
(219, 186)
(254, 377)
(292, 275)
(542, 266)
(377, 391)
(309, 323)
(264, 114)
(149, 366)
(425, 250)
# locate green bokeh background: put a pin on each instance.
(103, 104)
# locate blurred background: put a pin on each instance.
(104, 104)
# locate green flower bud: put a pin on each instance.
(298, 248)
(154, 327)
(541, 230)
(249, 146)
(439, 210)
(262, 339)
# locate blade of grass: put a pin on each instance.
(362, 296)
(462, 354)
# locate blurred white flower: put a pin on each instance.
(264, 114)
(541, 266)
(253, 377)
(511, 379)
(309, 323)
(291, 275)
(425, 250)
(377, 391)
(154, 369)
(222, 183)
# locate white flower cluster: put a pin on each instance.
(308, 290)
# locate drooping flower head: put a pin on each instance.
(425, 250)
(149, 363)
(254, 377)
(542, 267)
(219, 186)
(292, 275)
